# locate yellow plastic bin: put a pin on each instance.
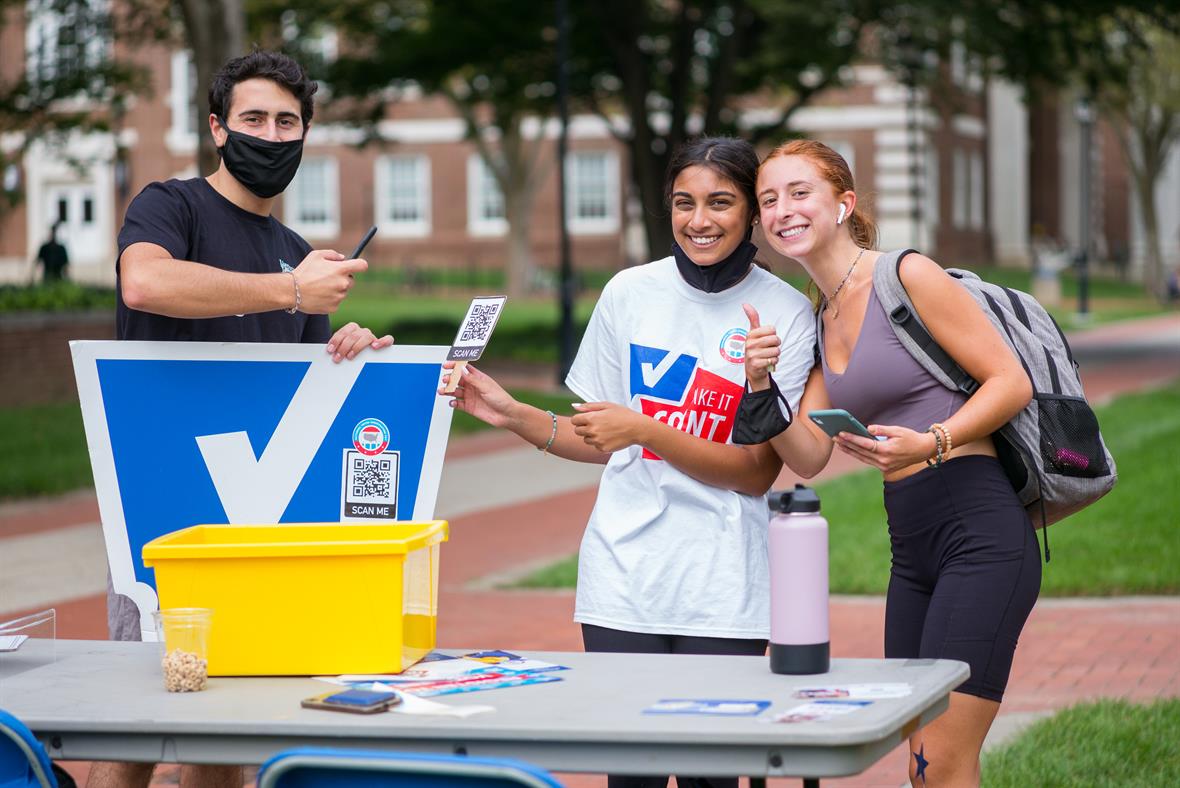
(306, 599)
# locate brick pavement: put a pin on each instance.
(1071, 650)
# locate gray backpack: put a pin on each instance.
(1052, 450)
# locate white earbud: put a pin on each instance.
(840, 216)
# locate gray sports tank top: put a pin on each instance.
(882, 383)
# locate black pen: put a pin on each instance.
(364, 242)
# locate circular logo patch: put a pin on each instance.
(733, 345)
(370, 436)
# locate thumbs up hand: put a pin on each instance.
(762, 350)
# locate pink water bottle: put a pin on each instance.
(799, 641)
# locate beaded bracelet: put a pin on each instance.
(298, 296)
(946, 438)
(937, 447)
(552, 436)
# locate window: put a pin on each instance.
(403, 195)
(182, 134)
(485, 201)
(311, 204)
(592, 192)
(65, 40)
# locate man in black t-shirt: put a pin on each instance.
(204, 260)
(53, 258)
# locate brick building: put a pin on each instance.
(965, 179)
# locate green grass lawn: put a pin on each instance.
(1123, 544)
(527, 329)
(1107, 743)
(42, 451)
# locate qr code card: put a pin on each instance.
(476, 328)
(370, 486)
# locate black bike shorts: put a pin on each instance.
(966, 569)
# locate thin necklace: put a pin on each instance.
(839, 287)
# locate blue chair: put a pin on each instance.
(314, 767)
(23, 761)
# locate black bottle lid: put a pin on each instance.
(801, 500)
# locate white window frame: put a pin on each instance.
(597, 225)
(402, 228)
(42, 29)
(329, 227)
(479, 179)
(184, 131)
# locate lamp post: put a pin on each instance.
(1084, 113)
(566, 281)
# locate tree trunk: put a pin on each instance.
(1153, 262)
(647, 172)
(215, 31)
(519, 267)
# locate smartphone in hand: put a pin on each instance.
(838, 420)
(356, 701)
(364, 242)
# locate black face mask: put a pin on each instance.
(759, 417)
(262, 166)
(721, 275)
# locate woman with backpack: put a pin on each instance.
(965, 570)
(674, 558)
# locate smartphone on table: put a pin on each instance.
(356, 701)
(838, 420)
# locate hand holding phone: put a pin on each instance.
(838, 420)
(356, 701)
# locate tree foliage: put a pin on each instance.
(1144, 110)
(663, 72)
(72, 82)
(494, 64)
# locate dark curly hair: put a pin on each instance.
(262, 64)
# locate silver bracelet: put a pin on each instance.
(298, 296)
(552, 436)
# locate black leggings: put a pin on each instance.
(617, 641)
(966, 570)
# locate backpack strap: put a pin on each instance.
(905, 317)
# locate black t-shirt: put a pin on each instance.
(193, 222)
(55, 259)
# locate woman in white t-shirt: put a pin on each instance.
(674, 556)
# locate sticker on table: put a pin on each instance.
(820, 710)
(857, 691)
(712, 708)
(369, 489)
(508, 662)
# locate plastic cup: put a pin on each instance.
(184, 639)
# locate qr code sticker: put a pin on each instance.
(370, 486)
(371, 479)
(480, 323)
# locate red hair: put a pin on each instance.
(834, 169)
